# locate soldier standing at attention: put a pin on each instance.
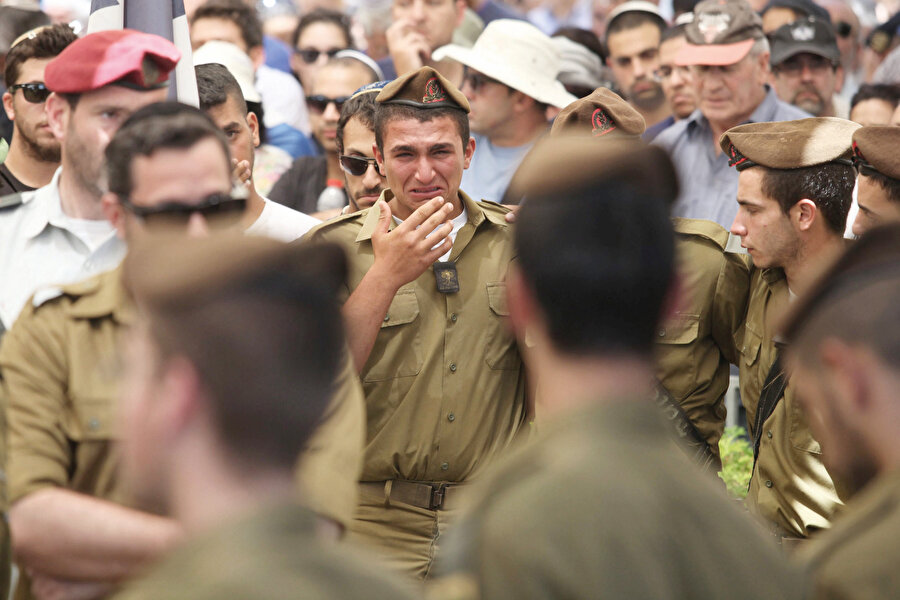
(426, 322)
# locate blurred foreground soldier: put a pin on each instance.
(600, 501)
(844, 359)
(213, 418)
(58, 233)
(806, 67)
(695, 345)
(34, 150)
(876, 154)
(794, 191)
(729, 58)
(426, 323)
(72, 522)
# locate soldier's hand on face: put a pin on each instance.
(405, 253)
(408, 47)
(240, 171)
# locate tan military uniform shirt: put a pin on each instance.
(695, 347)
(444, 383)
(272, 555)
(60, 378)
(857, 558)
(790, 489)
(600, 505)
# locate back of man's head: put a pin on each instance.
(44, 43)
(594, 242)
(259, 323)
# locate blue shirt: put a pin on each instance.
(491, 169)
(708, 184)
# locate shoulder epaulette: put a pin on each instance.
(709, 230)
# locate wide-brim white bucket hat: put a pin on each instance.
(516, 54)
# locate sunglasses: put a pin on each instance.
(219, 210)
(311, 55)
(319, 103)
(478, 80)
(357, 165)
(32, 92)
(843, 29)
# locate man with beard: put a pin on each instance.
(632, 40)
(34, 152)
(806, 67)
(58, 233)
(356, 142)
(845, 365)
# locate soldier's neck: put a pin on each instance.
(806, 265)
(79, 201)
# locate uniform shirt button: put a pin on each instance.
(94, 424)
(769, 434)
(453, 367)
(662, 333)
(451, 417)
(445, 466)
(387, 318)
(768, 483)
(453, 317)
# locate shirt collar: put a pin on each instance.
(47, 206)
(476, 216)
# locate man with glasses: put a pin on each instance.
(806, 67)
(59, 233)
(729, 58)
(320, 34)
(311, 179)
(510, 81)
(34, 151)
(677, 81)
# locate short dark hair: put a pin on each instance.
(159, 126)
(269, 390)
(385, 113)
(889, 92)
(680, 7)
(323, 15)
(830, 186)
(362, 108)
(890, 185)
(16, 21)
(215, 84)
(632, 20)
(670, 33)
(599, 258)
(47, 43)
(238, 13)
(585, 37)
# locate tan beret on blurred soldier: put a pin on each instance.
(876, 154)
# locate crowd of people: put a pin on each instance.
(443, 300)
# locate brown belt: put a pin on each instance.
(431, 495)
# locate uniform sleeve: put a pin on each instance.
(33, 384)
(329, 470)
(730, 304)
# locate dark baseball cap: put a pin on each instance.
(805, 36)
(722, 33)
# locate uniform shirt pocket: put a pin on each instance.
(501, 351)
(398, 348)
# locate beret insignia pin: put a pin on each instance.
(434, 91)
(601, 123)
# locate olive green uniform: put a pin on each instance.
(271, 555)
(695, 346)
(857, 558)
(790, 490)
(600, 505)
(59, 390)
(444, 383)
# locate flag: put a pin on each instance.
(165, 18)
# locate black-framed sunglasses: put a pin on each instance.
(32, 92)
(478, 80)
(319, 103)
(311, 55)
(357, 165)
(217, 209)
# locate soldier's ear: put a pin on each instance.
(114, 212)
(59, 111)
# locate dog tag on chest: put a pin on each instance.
(446, 278)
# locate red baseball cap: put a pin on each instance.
(126, 57)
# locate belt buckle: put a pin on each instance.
(437, 496)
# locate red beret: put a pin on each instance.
(123, 56)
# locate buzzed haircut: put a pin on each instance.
(632, 20)
(158, 126)
(385, 113)
(215, 85)
(361, 108)
(889, 92)
(237, 12)
(599, 258)
(830, 186)
(324, 15)
(47, 43)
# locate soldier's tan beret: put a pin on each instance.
(789, 144)
(601, 114)
(878, 148)
(424, 88)
(173, 271)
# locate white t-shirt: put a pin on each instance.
(92, 232)
(281, 223)
(457, 223)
